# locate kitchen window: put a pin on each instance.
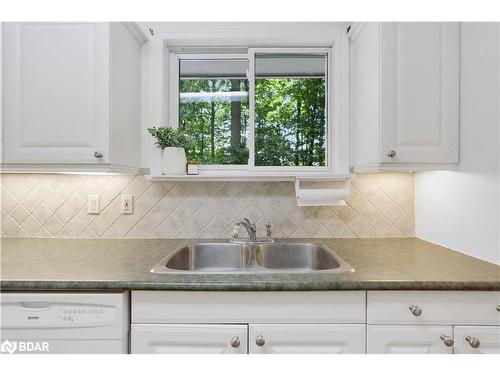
(267, 109)
(213, 108)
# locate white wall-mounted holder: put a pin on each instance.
(321, 196)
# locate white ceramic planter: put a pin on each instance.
(173, 161)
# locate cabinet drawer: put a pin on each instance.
(436, 307)
(248, 307)
(307, 338)
(408, 339)
(188, 339)
(487, 340)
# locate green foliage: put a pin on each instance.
(210, 123)
(290, 122)
(170, 137)
(290, 118)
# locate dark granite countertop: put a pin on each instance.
(124, 264)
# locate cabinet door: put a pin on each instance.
(420, 92)
(189, 338)
(307, 338)
(56, 92)
(408, 339)
(477, 340)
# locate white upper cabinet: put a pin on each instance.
(71, 97)
(404, 96)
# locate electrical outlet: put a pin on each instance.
(93, 204)
(127, 204)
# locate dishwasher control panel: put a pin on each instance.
(85, 313)
(51, 312)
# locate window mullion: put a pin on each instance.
(251, 108)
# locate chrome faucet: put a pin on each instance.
(252, 232)
(251, 229)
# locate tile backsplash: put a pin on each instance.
(55, 205)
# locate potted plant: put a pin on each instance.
(172, 143)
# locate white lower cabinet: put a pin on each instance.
(409, 339)
(189, 339)
(248, 322)
(413, 322)
(307, 338)
(343, 322)
(477, 339)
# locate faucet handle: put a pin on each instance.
(269, 232)
(236, 231)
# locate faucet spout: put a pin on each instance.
(251, 229)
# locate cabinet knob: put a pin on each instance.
(98, 155)
(474, 342)
(391, 153)
(498, 308)
(260, 341)
(447, 340)
(235, 342)
(416, 310)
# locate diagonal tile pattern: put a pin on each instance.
(55, 205)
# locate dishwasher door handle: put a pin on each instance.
(35, 306)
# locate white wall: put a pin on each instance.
(461, 209)
(1, 91)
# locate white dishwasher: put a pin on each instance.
(92, 323)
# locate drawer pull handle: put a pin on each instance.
(260, 341)
(416, 310)
(35, 306)
(98, 155)
(447, 340)
(391, 153)
(235, 342)
(498, 308)
(474, 342)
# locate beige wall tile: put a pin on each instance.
(19, 213)
(45, 205)
(8, 201)
(30, 226)
(9, 225)
(42, 213)
(53, 225)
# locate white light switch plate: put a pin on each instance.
(93, 204)
(127, 204)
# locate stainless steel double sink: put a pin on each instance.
(249, 257)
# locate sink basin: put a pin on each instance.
(206, 257)
(276, 257)
(296, 256)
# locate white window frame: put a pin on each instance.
(251, 100)
(174, 95)
(337, 138)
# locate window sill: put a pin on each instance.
(252, 176)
